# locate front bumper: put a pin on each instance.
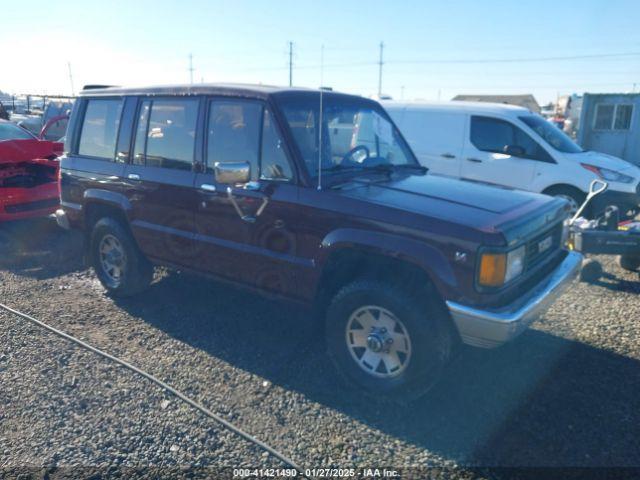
(491, 328)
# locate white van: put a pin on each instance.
(511, 146)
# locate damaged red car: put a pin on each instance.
(28, 174)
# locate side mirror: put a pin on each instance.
(514, 150)
(232, 173)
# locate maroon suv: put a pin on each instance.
(313, 197)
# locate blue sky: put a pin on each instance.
(432, 49)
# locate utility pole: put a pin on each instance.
(73, 93)
(291, 64)
(380, 63)
(191, 68)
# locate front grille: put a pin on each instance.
(31, 206)
(535, 251)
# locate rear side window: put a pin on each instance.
(166, 133)
(100, 128)
(493, 135)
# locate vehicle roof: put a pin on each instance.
(236, 89)
(459, 106)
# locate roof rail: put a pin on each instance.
(94, 87)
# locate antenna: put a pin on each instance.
(320, 119)
(291, 64)
(380, 63)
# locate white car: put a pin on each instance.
(511, 146)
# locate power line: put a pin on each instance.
(518, 60)
(455, 61)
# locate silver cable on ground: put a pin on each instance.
(229, 426)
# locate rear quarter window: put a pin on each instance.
(100, 128)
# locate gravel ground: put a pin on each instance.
(566, 393)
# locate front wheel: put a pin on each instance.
(573, 196)
(386, 340)
(117, 261)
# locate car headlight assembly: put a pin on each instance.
(608, 175)
(498, 269)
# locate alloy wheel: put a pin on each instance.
(113, 258)
(378, 341)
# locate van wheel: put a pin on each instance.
(572, 195)
(117, 261)
(387, 341)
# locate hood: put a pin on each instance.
(603, 160)
(472, 204)
(12, 151)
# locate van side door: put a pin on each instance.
(436, 138)
(160, 177)
(499, 152)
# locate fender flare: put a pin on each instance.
(106, 197)
(421, 254)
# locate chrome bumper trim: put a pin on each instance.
(62, 220)
(491, 328)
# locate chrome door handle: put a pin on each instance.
(475, 160)
(207, 187)
(448, 155)
(133, 176)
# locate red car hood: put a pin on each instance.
(12, 151)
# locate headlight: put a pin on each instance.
(609, 175)
(496, 269)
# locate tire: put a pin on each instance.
(405, 375)
(591, 271)
(629, 262)
(574, 196)
(112, 244)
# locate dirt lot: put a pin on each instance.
(566, 393)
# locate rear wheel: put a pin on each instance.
(386, 340)
(120, 266)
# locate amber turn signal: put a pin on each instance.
(493, 267)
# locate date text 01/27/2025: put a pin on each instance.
(361, 473)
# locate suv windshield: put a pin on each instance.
(9, 131)
(356, 135)
(551, 134)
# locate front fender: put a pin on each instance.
(421, 254)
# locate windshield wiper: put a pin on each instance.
(389, 168)
(380, 167)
